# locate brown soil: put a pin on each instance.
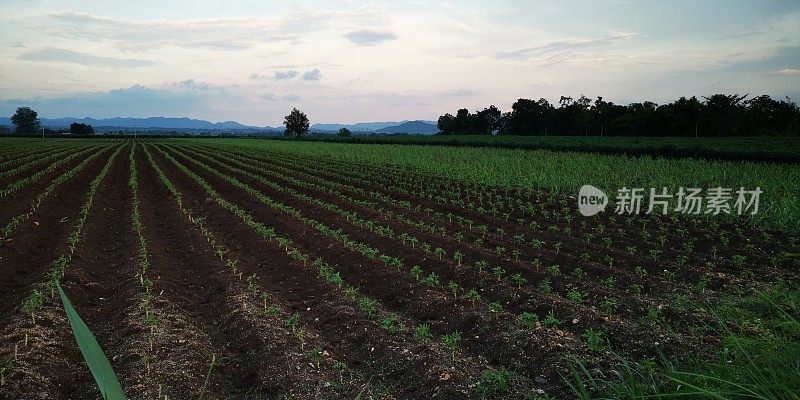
(205, 308)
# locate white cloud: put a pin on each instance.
(313, 75)
(191, 84)
(560, 50)
(218, 33)
(789, 72)
(285, 74)
(370, 38)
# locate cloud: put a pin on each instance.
(134, 101)
(312, 75)
(785, 58)
(789, 72)
(460, 92)
(191, 84)
(295, 66)
(291, 97)
(281, 75)
(370, 38)
(287, 97)
(53, 54)
(218, 34)
(560, 50)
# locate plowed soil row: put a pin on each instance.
(18, 157)
(29, 253)
(19, 201)
(407, 366)
(515, 299)
(485, 334)
(38, 163)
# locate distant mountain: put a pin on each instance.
(151, 122)
(411, 127)
(358, 127)
(198, 124)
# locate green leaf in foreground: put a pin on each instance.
(98, 363)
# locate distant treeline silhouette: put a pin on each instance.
(717, 115)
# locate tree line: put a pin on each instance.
(716, 115)
(26, 120)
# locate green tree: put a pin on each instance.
(680, 118)
(26, 120)
(81, 129)
(344, 132)
(718, 115)
(464, 122)
(527, 117)
(722, 113)
(487, 120)
(447, 124)
(296, 123)
(766, 116)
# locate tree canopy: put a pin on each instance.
(715, 115)
(26, 120)
(344, 132)
(483, 122)
(296, 123)
(81, 129)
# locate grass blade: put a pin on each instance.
(98, 363)
(208, 376)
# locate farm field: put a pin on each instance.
(220, 268)
(774, 149)
(522, 171)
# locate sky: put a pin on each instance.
(352, 61)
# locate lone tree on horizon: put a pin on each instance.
(81, 129)
(296, 123)
(26, 120)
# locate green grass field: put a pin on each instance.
(566, 172)
(778, 149)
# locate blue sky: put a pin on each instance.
(349, 61)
